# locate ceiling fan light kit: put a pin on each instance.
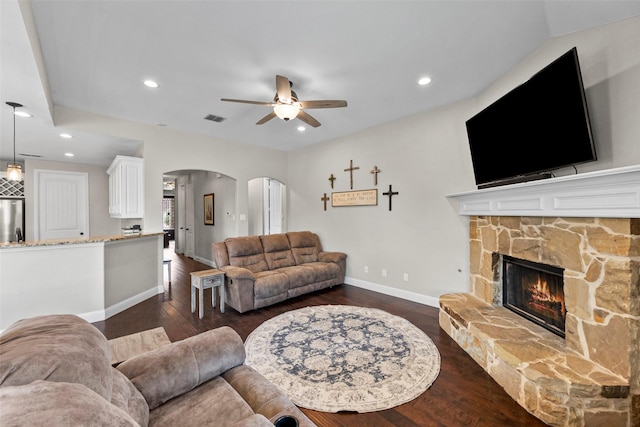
(287, 111)
(286, 105)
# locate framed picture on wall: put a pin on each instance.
(208, 209)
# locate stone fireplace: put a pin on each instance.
(591, 377)
(534, 291)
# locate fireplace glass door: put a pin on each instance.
(534, 291)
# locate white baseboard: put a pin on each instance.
(93, 316)
(99, 315)
(205, 261)
(394, 292)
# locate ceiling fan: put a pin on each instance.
(287, 106)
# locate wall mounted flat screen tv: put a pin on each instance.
(539, 126)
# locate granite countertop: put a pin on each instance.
(71, 241)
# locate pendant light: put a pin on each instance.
(14, 170)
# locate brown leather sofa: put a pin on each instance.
(264, 270)
(55, 371)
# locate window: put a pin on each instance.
(168, 213)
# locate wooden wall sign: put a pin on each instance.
(355, 198)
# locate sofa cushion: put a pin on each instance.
(175, 369)
(214, 403)
(324, 270)
(246, 252)
(127, 397)
(47, 403)
(305, 254)
(256, 420)
(300, 275)
(269, 284)
(262, 395)
(305, 246)
(277, 251)
(61, 348)
(220, 255)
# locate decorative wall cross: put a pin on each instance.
(390, 193)
(325, 199)
(332, 178)
(375, 171)
(350, 169)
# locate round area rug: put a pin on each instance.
(335, 358)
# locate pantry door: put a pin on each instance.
(61, 205)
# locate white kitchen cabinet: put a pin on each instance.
(126, 187)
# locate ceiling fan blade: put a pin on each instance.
(329, 103)
(283, 87)
(305, 117)
(268, 104)
(266, 118)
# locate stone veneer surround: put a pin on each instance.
(592, 377)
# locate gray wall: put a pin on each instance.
(426, 157)
(610, 64)
(167, 149)
(100, 223)
(130, 268)
(224, 203)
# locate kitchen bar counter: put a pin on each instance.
(92, 277)
(73, 241)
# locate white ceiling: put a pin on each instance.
(95, 55)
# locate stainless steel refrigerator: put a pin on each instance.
(11, 220)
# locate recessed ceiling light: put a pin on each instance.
(301, 128)
(424, 81)
(150, 83)
(22, 114)
(69, 154)
(66, 135)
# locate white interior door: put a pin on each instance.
(266, 212)
(180, 226)
(273, 206)
(189, 220)
(62, 205)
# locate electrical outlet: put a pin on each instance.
(366, 269)
(405, 277)
(384, 272)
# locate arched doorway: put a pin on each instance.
(193, 235)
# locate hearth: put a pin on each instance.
(535, 291)
(589, 377)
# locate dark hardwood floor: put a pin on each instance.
(462, 395)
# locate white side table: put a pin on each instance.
(167, 262)
(203, 280)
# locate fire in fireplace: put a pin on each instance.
(534, 291)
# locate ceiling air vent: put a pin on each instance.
(215, 118)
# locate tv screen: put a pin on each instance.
(537, 127)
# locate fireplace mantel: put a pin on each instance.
(612, 193)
